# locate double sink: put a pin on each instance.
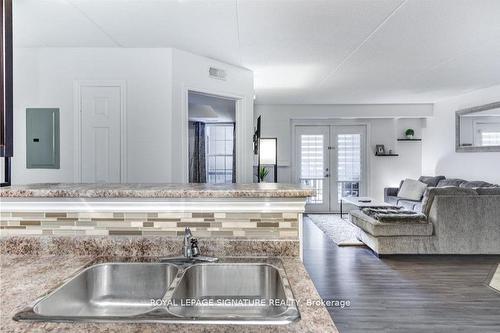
(226, 293)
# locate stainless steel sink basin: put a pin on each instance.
(247, 291)
(111, 289)
(231, 292)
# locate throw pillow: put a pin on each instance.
(476, 184)
(431, 181)
(450, 182)
(412, 190)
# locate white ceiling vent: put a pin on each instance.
(217, 73)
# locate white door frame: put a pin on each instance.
(77, 116)
(241, 134)
(329, 122)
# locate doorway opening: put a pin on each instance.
(332, 160)
(212, 139)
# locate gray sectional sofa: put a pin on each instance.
(391, 193)
(461, 219)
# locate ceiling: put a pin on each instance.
(301, 51)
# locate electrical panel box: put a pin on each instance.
(42, 138)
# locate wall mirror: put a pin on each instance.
(478, 128)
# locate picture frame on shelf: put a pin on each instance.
(380, 150)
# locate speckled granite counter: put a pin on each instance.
(24, 278)
(69, 190)
(143, 246)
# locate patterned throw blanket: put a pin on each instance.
(395, 214)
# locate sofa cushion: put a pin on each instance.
(407, 204)
(450, 182)
(488, 191)
(376, 228)
(431, 181)
(412, 190)
(392, 200)
(394, 215)
(431, 192)
(476, 184)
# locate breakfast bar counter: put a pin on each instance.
(158, 191)
(254, 219)
(49, 231)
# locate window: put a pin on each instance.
(219, 153)
(490, 138)
(311, 164)
(348, 165)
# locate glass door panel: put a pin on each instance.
(349, 147)
(313, 164)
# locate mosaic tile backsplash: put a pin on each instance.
(219, 225)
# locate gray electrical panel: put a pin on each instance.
(42, 138)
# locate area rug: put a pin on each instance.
(340, 231)
(495, 279)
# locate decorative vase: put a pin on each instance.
(409, 137)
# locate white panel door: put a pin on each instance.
(313, 164)
(100, 134)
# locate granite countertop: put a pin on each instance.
(137, 190)
(24, 278)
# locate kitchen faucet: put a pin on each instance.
(190, 244)
(190, 250)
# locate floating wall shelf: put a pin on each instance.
(385, 155)
(409, 140)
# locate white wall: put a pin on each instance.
(225, 109)
(389, 171)
(44, 78)
(190, 72)
(384, 129)
(439, 153)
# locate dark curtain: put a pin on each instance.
(234, 152)
(197, 167)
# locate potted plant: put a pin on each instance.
(409, 133)
(262, 173)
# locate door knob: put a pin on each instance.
(327, 175)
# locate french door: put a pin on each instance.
(332, 160)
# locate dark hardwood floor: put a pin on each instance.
(402, 293)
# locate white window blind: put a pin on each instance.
(348, 164)
(312, 165)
